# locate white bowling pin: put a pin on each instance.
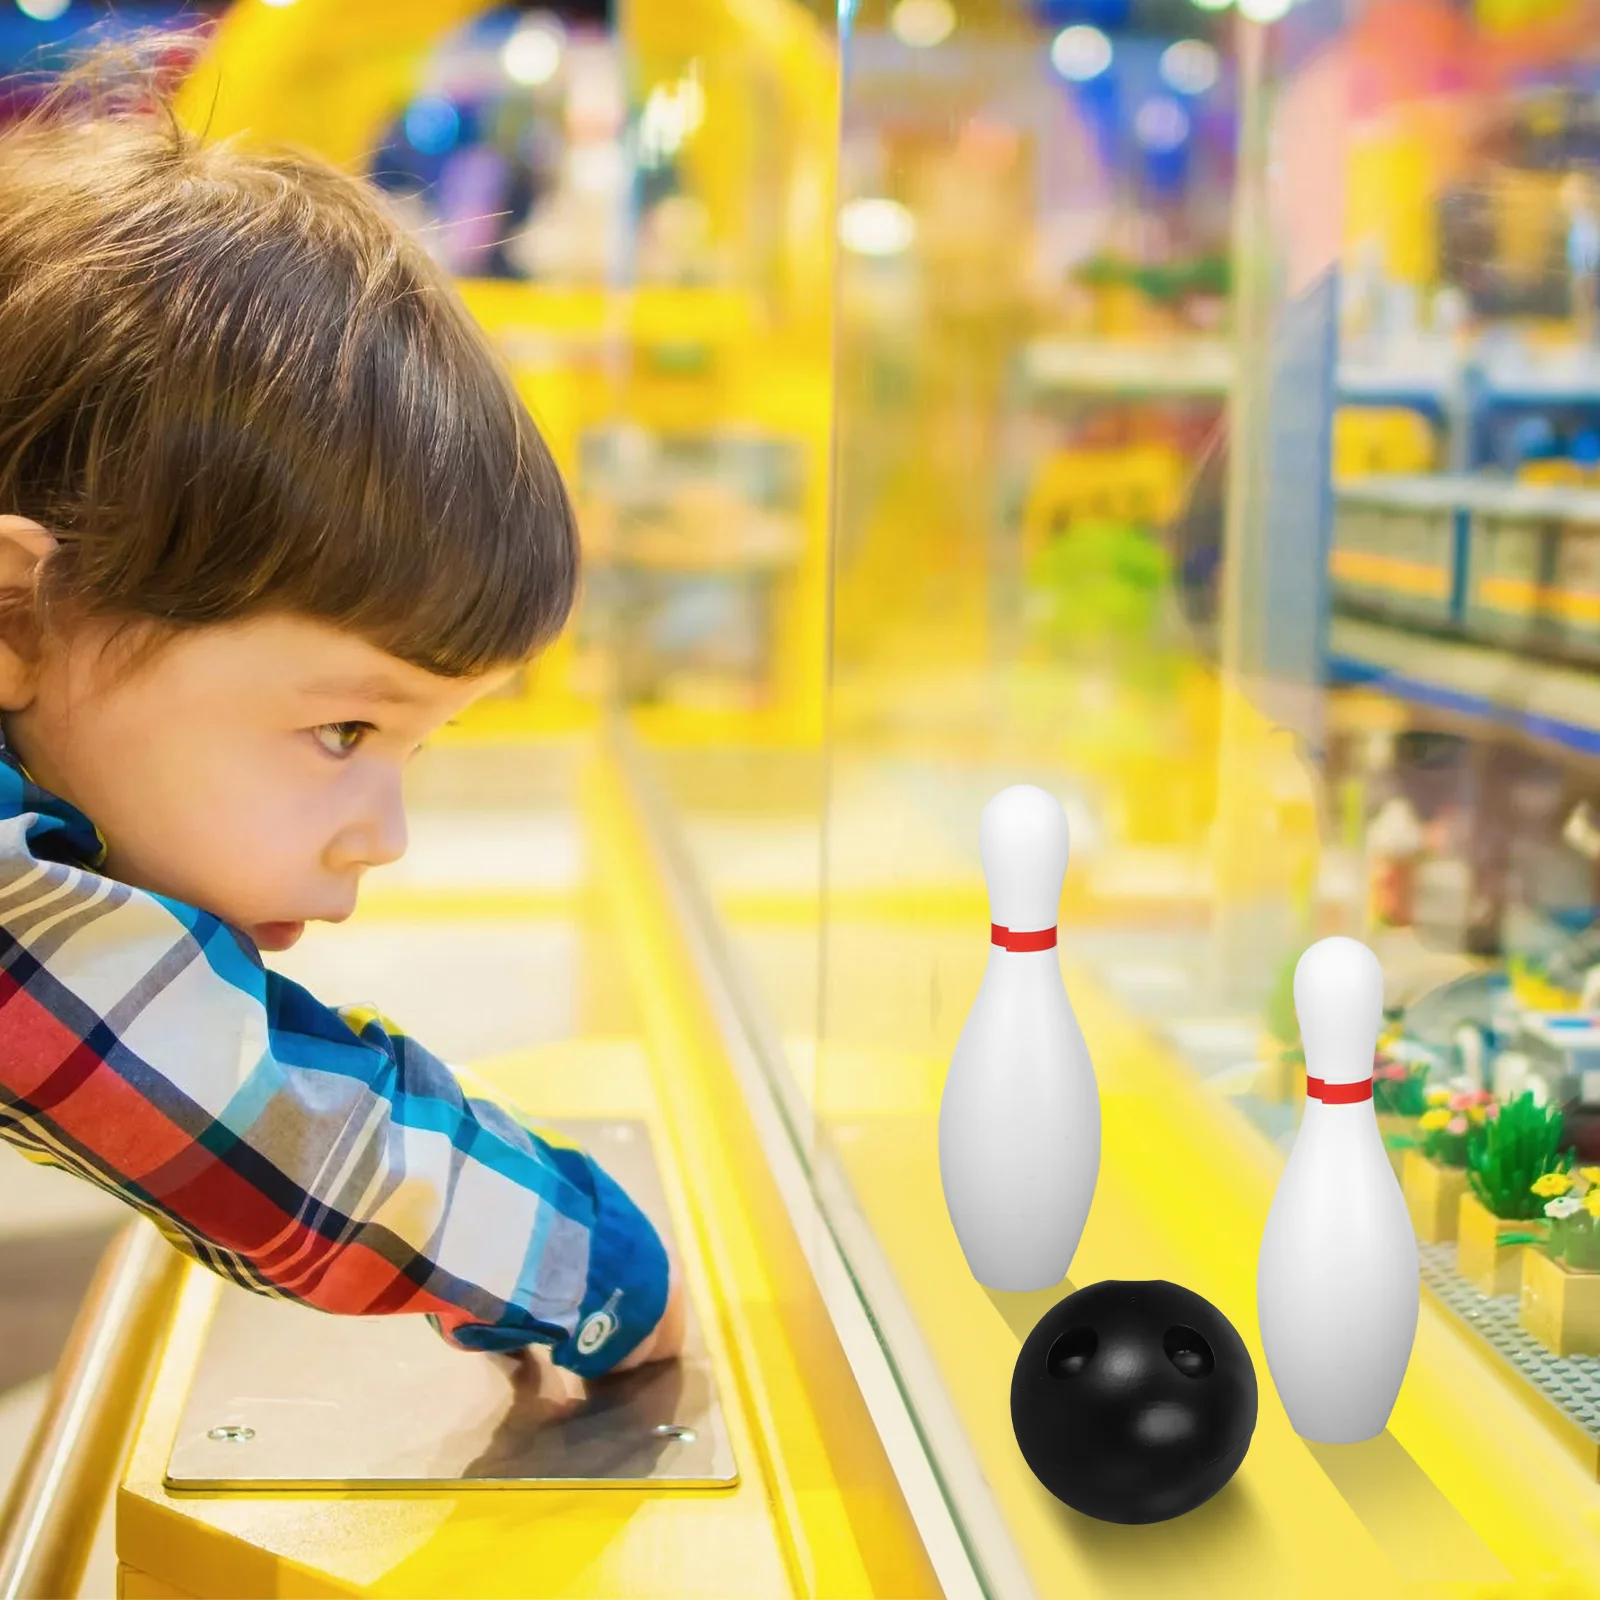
(1019, 1123)
(1337, 1286)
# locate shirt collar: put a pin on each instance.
(59, 831)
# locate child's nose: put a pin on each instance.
(375, 838)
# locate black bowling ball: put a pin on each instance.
(1133, 1402)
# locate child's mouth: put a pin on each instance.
(278, 935)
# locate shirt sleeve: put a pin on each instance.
(302, 1152)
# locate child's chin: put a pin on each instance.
(277, 935)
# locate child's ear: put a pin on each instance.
(23, 546)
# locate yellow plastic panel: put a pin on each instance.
(323, 74)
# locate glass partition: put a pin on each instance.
(1035, 360)
(707, 496)
(636, 202)
(1036, 348)
(1216, 416)
(1034, 363)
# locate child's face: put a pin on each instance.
(253, 770)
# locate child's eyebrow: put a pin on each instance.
(369, 687)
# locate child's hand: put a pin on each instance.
(666, 1340)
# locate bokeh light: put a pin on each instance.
(1161, 124)
(1080, 53)
(922, 24)
(1190, 66)
(432, 125)
(532, 55)
(876, 227)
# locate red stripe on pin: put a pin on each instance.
(1338, 1094)
(1045, 939)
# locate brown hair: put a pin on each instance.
(231, 383)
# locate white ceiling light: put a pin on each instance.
(1190, 66)
(1161, 124)
(1080, 53)
(532, 55)
(876, 227)
(922, 24)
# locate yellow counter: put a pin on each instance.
(816, 1511)
(1470, 1487)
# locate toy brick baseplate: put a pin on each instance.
(284, 1397)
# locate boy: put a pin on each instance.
(270, 513)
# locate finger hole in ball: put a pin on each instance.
(1189, 1352)
(1071, 1353)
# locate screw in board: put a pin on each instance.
(675, 1430)
(232, 1433)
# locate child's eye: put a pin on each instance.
(340, 738)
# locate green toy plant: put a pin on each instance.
(1572, 1203)
(1453, 1124)
(1580, 1248)
(1098, 592)
(1446, 1140)
(1517, 1148)
(1162, 282)
(1100, 583)
(1400, 1088)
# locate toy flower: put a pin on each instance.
(1591, 1202)
(1456, 1125)
(1552, 1183)
(1394, 1071)
(1561, 1209)
(1460, 1102)
(1590, 1175)
(1437, 1118)
(1438, 1095)
(1479, 1114)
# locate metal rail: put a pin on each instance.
(48, 1525)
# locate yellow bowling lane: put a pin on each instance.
(1470, 1487)
(1466, 1487)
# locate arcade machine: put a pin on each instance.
(1160, 478)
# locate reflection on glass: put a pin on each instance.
(1218, 438)
(1034, 370)
(632, 208)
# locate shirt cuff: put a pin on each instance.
(626, 1293)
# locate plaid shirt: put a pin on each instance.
(303, 1152)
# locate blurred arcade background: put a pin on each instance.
(1190, 405)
